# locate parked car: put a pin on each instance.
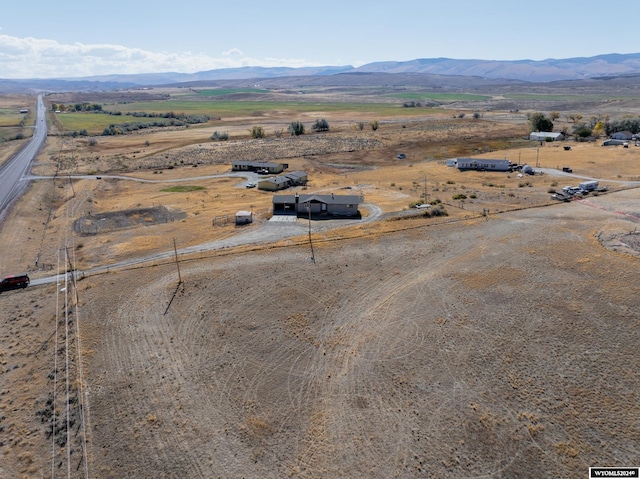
(566, 169)
(14, 282)
(250, 185)
(401, 156)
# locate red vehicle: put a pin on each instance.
(14, 282)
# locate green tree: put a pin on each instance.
(320, 125)
(374, 125)
(257, 132)
(582, 131)
(296, 128)
(539, 122)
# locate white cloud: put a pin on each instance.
(41, 58)
(233, 51)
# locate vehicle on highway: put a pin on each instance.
(14, 282)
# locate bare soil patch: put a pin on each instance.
(475, 348)
(106, 222)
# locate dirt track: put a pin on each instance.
(504, 348)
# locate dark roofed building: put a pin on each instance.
(318, 206)
(258, 166)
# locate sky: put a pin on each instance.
(70, 38)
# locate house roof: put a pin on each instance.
(546, 134)
(296, 174)
(276, 180)
(327, 199)
(257, 164)
(482, 160)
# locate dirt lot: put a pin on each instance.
(465, 346)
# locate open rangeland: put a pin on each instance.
(498, 341)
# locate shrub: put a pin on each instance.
(374, 125)
(217, 136)
(257, 132)
(320, 125)
(459, 196)
(438, 211)
(296, 128)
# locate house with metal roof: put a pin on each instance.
(318, 206)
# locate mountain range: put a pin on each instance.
(483, 71)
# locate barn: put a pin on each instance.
(318, 206)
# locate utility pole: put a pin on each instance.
(313, 256)
(426, 199)
(177, 263)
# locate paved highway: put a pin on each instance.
(14, 171)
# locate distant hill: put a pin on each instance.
(524, 70)
(420, 72)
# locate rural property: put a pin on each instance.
(491, 334)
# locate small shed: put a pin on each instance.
(546, 136)
(244, 217)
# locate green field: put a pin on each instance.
(230, 91)
(550, 97)
(421, 96)
(95, 123)
(8, 117)
(224, 109)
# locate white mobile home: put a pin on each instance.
(483, 164)
(546, 136)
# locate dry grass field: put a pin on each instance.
(498, 341)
